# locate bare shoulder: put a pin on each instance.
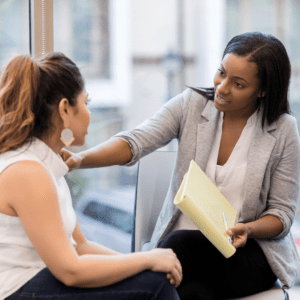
(23, 182)
(27, 173)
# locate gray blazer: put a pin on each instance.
(272, 179)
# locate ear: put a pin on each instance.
(64, 110)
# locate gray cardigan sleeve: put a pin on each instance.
(158, 130)
(284, 185)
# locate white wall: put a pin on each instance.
(154, 31)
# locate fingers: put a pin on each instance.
(179, 272)
(73, 162)
(64, 153)
(179, 268)
(229, 232)
(238, 235)
(70, 163)
(171, 279)
(167, 261)
(175, 275)
(67, 158)
(236, 244)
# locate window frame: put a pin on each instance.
(41, 27)
(115, 91)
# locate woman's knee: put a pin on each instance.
(179, 237)
(182, 241)
(158, 285)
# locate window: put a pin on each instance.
(112, 216)
(14, 29)
(82, 32)
(122, 48)
(95, 34)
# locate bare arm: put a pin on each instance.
(112, 152)
(263, 228)
(35, 202)
(84, 246)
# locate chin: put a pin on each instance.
(219, 107)
(78, 143)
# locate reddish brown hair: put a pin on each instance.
(29, 94)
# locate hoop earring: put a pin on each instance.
(67, 137)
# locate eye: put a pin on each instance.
(220, 72)
(239, 85)
(88, 101)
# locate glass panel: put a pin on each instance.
(81, 31)
(14, 29)
(104, 197)
(255, 15)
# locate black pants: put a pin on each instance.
(208, 275)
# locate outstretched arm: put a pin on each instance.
(152, 134)
(112, 152)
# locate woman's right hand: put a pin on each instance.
(72, 160)
(165, 260)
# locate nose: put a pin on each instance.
(223, 87)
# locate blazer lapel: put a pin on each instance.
(258, 157)
(206, 134)
(206, 131)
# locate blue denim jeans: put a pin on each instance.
(143, 286)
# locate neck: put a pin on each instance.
(53, 142)
(238, 119)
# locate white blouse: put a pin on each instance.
(19, 262)
(230, 177)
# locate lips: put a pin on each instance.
(222, 100)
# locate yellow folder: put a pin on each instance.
(203, 203)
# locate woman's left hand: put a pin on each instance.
(239, 235)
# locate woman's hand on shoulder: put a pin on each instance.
(72, 160)
(239, 235)
(165, 260)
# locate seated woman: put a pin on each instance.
(43, 252)
(240, 132)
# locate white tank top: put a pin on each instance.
(19, 262)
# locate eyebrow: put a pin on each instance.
(241, 78)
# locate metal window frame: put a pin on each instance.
(41, 27)
(115, 91)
